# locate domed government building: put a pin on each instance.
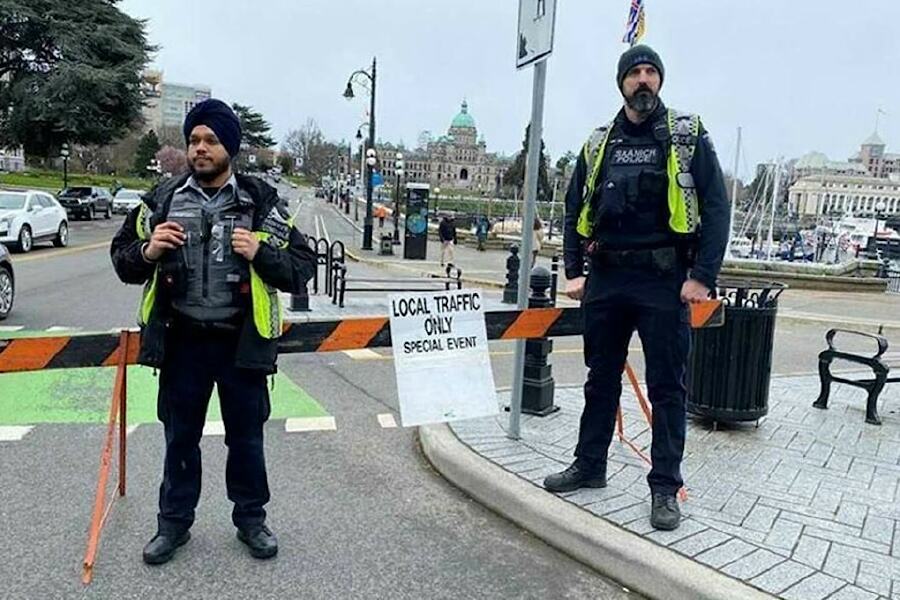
(458, 160)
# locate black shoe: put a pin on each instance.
(665, 513)
(580, 474)
(260, 540)
(162, 548)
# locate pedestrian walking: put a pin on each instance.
(537, 231)
(447, 235)
(647, 208)
(482, 228)
(212, 250)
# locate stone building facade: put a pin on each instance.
(458, 160)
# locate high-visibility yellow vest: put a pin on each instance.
(684, 212)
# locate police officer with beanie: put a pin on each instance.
(647, 210)
(212, 250)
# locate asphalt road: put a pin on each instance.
(358, 511)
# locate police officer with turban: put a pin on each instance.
(212, 249)
(647, 211)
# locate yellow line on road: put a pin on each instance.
(67, 252)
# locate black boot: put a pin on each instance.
(665, 513)
(580, 474)
(162, 547)
(260, 540)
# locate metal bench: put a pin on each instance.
(344, 283)
(880, 362)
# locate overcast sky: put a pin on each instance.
(797, 76)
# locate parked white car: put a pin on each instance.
(125, 200)
(28, 217)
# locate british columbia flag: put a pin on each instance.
(634, 30)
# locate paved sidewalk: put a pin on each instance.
(803, 507)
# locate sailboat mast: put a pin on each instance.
(775, 189)
(734, 190)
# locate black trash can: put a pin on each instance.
(730, 366)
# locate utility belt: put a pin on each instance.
(185, 324)
(664, 260)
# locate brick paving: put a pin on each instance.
(803, 507)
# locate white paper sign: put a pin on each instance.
(441, 356)
(537, 19)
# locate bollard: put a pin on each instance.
(538, 385)
(554, 278)
(300, 302)
(511, 289)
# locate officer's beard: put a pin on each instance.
(209, 169)
(643, 101)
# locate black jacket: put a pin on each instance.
(447, 231)
(715, 214)
(287, 270)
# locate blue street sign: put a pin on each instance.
(377, 179)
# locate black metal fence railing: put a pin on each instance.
(893, 286)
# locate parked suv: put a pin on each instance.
(7, 283)
(28, 217)
(87, 202)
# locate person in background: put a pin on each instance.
(482, 228)
(447, 235)
(538, 232)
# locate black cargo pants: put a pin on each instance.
(195, 360)
(618, 301)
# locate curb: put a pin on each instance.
(635, 562)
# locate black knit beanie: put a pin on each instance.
(639, 55)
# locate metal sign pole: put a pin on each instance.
(531, 184)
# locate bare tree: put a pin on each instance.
(172, 160)
(317, 156)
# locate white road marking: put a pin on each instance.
(57, 328)
(130, 429)
(11, 328)
(14, 433)
(363, 354)
(310, 424)
(318, 232)
(214, 428)
(387, 421)
(325, 230)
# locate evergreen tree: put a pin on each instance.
(70, 72)
(255, 129)
(515, 175)
(146, 151)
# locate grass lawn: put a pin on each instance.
(53, 180)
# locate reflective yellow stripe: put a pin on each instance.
(677, 208)
(585, 225)
(142, 225)
(267, 314)
(148, 300)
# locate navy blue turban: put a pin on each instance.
(219, 117)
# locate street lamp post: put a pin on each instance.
(880, 207)
(437, 195)
(64, 153)
(355, 203)
(348, 93)
(399, 172)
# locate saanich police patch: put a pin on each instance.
(636, 156)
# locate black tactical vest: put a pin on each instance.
(213, 280)
(631, 200)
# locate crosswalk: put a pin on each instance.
(17, 433)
